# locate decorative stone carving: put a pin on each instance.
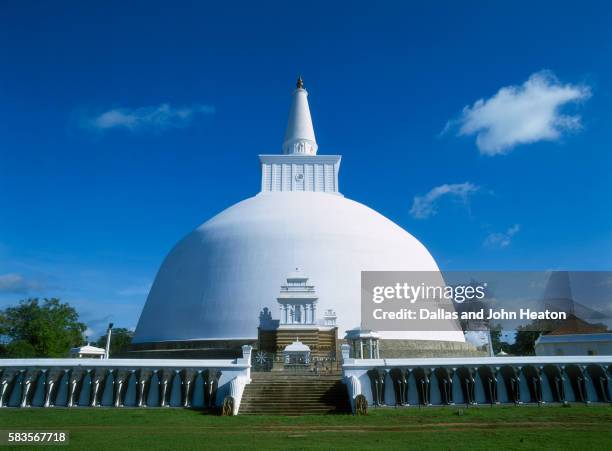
(122, 378)
(188, 377)
(377, 380)
(554, 374)
(143, 378)
(489, 383)
(29, 386)
(52, 383)
(445, 384)
(87, 382)
(577, 380)
(7, 383)
(533, 378)
(421, 378)
(597, 373)
(361, 405)
(99, 376)
(75, 384)
(511, 378)
(166, 379)
(211, 384)
(400, 377)
(227, 410)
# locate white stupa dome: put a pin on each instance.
(216, 281)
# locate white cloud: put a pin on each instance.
(135, 290)
(16, 283)
(500, 240)
(522, 114)
(159, 117)
(425, 206)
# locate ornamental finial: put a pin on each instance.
(300, 83)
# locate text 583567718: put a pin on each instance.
(33, 437)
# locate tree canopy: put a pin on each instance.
(40, 329)
(120, 341)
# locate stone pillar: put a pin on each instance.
(247, 351)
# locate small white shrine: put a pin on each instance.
(88, 352)
(363, 343)
(296, 353)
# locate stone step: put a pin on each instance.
(281, 376)
(313, 402)
(268, 392)
(289, 390)
(291, 395)
(296, 386)
(289, 384)
(282, 394)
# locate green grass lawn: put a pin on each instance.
(523, 427)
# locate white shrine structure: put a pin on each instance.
(297, 305)
(211, 288)
(297, 302)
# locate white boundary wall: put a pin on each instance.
(123, 382)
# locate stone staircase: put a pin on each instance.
(276, 393)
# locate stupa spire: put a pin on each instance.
(300, 137)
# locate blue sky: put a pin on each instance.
(483, 128)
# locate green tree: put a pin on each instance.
(497, 342)
(121, 339)
(40, 329)
(524, 341)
